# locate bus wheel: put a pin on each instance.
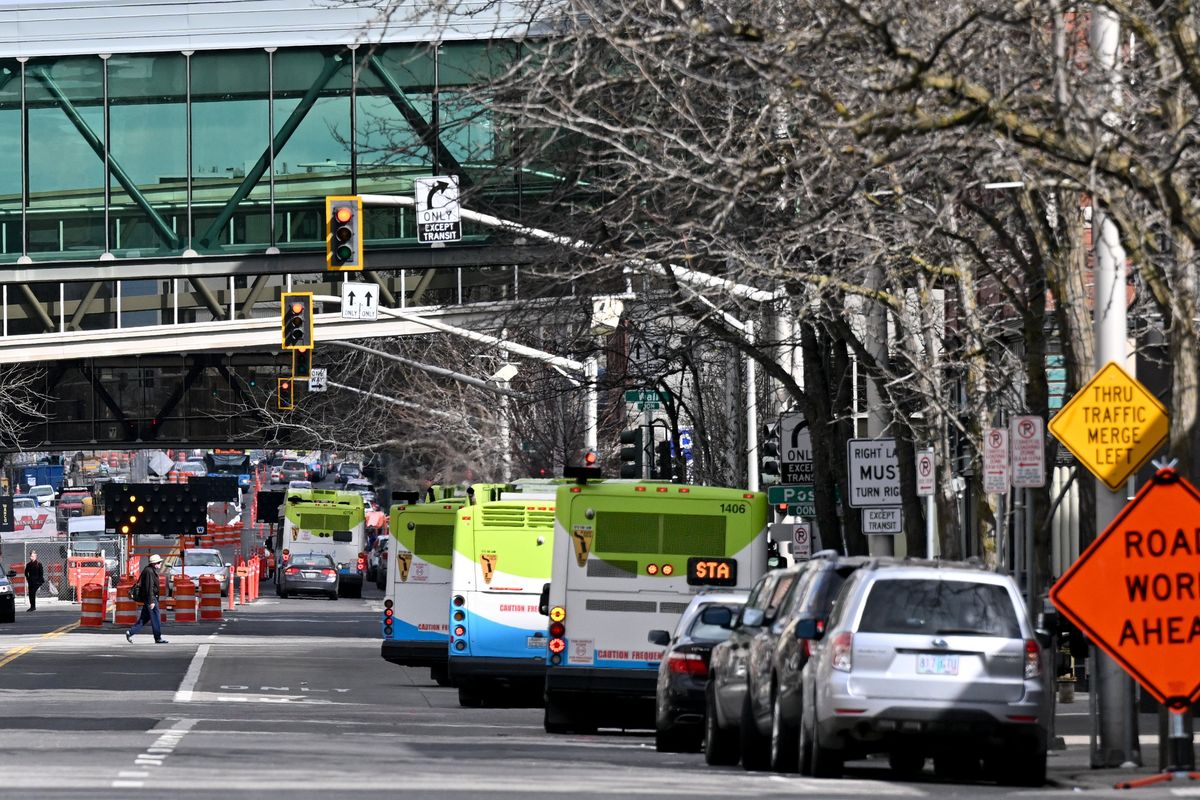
(440, 675)
(469, 697)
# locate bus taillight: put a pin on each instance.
(557, 646)
(558, 632)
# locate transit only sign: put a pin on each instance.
(1112, 425)
(1135, 591)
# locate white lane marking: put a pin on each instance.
(128, 784)
(1193, 792)
(1145, 738)
(184, 693)
(133, 774)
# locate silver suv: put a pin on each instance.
(927, 659)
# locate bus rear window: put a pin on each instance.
(619, 532)
(316, 521)
(433, 540)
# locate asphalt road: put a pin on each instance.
(290, 698)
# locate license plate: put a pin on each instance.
(937, 665)
(310, 574)
(535, 641)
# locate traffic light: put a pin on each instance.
(302, 364)
(632, 455)
(769, 448)
(285, 394)
(664, 465)
(343, 233)
(297, 320)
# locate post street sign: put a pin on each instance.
(874, 473)
(926, 473)
(880, 521)
(646, 398)
(995, 460)
(1027, 441)
(795, 449)
(1113, 425)
(1134, 591)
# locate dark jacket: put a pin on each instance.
(149, 583)
(34, 576)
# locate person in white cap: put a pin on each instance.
(145, 591)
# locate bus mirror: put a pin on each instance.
(343, 537)
(544, 601)
(658, 637)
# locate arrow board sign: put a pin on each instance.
(439, 216)
(360, 301)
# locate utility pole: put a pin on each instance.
(1117, 744)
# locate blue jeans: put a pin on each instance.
(149, 615)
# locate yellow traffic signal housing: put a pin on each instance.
(297, 320)
(302, 364)
(343, 234)
(285, 394)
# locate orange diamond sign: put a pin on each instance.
(1112, 425)
(1135, 591)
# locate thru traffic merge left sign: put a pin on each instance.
(1134, 591)
(1112, 425)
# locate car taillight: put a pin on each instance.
(687, 664)
(285, 556)
(328, 571)
(292, 571)
(1033, 658)
(840, 651)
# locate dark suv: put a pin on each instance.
(725, 738)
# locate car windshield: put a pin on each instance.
(294, 465)
(41, 491)
(939, 608)
(24, 502)
(349, 469)
(203, 560)
(711, 633)
(320, 562)
(299, 485)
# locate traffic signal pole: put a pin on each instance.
(1117, 743)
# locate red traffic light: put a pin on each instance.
(343, 214)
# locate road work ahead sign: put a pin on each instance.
(1136, 591)
(1112, 425)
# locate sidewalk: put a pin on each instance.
(1071, 767)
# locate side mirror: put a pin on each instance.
(12, 573)
(544, 601)
(753, 617)
(659, 637)
(720, 616)
(1044, 638)
(807, 629)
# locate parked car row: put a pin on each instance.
(840, 658)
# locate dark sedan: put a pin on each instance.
(683, 671)
(309, 573)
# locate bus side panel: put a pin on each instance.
(504, 626)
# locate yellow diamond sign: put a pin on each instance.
(1112, 425)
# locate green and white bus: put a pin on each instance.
(628, 558)
(502, 552)
(415, 625)
(327, 521)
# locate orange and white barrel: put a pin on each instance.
(210, 598)
(127, 608)
(185, 599)
(94, 604)
(18, 580)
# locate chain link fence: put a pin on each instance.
(53, 556)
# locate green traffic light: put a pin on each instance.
(344, 253)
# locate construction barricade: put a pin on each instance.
(210, 598)
(185, 599)
(126, 611)
(18, 581)
(94, 604)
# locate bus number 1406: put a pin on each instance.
(733, 508)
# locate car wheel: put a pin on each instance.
(283, 593)
(756, 748)
(826, 762)
(906, 762)
(669, 739)
(8, 613)
(721, 748)
(804, 743)
(784, 747)
(333, 596)
(1024, 763)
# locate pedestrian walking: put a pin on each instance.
(34, 578)
(146, 593)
